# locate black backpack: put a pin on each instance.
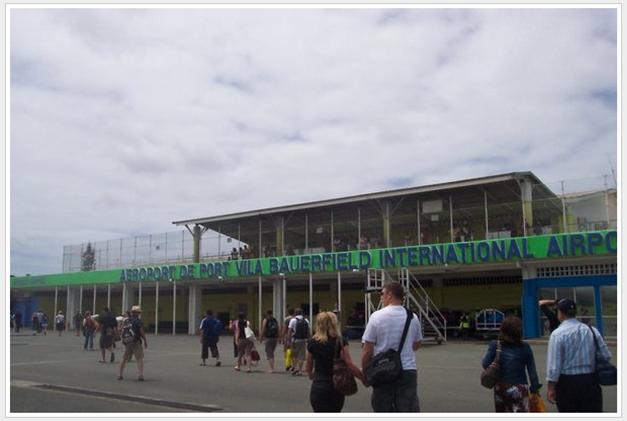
(301, 331)
(272, 328)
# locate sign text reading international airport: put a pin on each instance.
(474, 252)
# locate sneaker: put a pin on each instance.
(120, 378)
(112, 357)
(218, 364)
(140, 378)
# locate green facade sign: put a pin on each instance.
(595, 243)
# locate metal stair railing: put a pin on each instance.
(427, 309)
(374, 283)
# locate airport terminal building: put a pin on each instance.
(500, 242)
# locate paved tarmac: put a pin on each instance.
(54, 374)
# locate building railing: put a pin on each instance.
(409, 224)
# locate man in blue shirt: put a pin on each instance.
(210, 328)
(573, 384)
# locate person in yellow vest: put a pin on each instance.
(464, 326)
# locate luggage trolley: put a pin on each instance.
(488, 322)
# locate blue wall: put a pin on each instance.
(531, 288)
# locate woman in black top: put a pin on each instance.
(322, 349)
(244, 345)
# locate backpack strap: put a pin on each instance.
(410, 316)
(596, 344)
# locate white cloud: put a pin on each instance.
(124, 120)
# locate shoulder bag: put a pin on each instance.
(492, 373)
(606, 372)
(343, 379)
(386, 367)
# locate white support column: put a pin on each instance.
(564, 211)
(277, 299)
(485, 205)
(284, 299)
(140, 294)
(418, 236)
(67, 302)
(260, 250)
(109, 296)
(310, 298)
(194, 313)
(607, 201)
(282, 236)
(526, 199)
(306, 234)
(156, 307)
(73, 304)
(450, 207)
(128, 296)
(260, 302)
(359, 228)
(80, 300)
(332, 234)
(56, 298)
(124, 298)
(339, 295)
(93, 310)
(173, 307)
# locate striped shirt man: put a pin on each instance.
(572, 350)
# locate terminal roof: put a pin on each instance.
(540, 191)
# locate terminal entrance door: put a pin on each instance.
(583, 296)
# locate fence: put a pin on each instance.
(582, 205)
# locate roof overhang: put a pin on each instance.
(473, 182)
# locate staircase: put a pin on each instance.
(416, 299)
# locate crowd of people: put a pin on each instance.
(315, 352)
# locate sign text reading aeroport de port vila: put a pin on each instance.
(475, 252)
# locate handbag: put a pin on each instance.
(248, 332)
(536, 403)
(606, 372)
(343, 379)
(492, 373)
(386, 367)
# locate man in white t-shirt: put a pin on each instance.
(298, 331)
(383, 332)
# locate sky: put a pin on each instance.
(122, 121)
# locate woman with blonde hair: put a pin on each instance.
(323, 348)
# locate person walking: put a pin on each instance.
(43, 321)
(383, 332)
(285, 339)
(36, 325)
(108, 330)
(59, 322)
(210, 328)
(298, 331)
(89, 330)
(511, 392)
(270, 334)
(78, 322)
(464, 326)
(322, 349)
(570, 368)
(133, 336)
(18, 321)
(244, 344)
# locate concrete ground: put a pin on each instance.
(54, 374)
